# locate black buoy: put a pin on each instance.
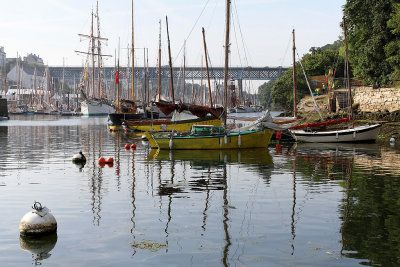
(79, 158)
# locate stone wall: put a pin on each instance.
(377, 100)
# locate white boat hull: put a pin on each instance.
(357, 134)
(95, 108)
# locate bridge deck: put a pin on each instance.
(249, 73)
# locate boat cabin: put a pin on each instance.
(202, 130)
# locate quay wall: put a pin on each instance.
(377, 100)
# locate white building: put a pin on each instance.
(27, 75)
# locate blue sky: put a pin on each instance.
(49, 28)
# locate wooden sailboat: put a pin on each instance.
(213, 137)
(364, 133)
(256, 135)
(127, 109)
(185, 115)
(94, 104)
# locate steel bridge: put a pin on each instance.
(196, 73)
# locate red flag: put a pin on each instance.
(117, 78)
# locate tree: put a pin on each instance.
(393, 47)
(370, 39)
(315, 63)
(265, 94)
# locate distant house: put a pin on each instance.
(32, 58)
(28, 75)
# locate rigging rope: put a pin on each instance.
(309, 88)
(197, 20)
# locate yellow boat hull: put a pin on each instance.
(256, 156)
(174, 126)
(248, 139)
(115, 128)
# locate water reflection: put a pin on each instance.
(39, 247)
(369, 210)
(206, 172)
(257, 160)
(310, 205)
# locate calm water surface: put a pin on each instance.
(288, 205)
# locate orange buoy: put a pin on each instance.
(133, 146)
(110, 164)
(110, 161)
(127, 147)
(102, 160)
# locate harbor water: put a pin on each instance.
(286, 205)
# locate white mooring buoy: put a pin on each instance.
(38, 222)
(392, 140)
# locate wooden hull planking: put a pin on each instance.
(248, 139)
(358, 134)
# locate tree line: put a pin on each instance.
(373, 31)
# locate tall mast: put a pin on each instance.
(228, 3)
(127, 74)
(348, 72)
(144, 77)
(159, 64)
(92, 43)
(62, 84)
(117, 80)
(192, 90)
(99, 91)
(208, 74)
(170, 64)
(294, 77)
(184, 72)
(133, 58)
(202, 95)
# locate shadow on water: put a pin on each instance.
(39, 247)
(256, 160)
(369, 210)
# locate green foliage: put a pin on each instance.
(282, 90)
(315, 63)
(265, 94)
(392, 49)
(371, 51)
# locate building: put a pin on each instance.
(27, 75)
(32, 58)
(2, 58)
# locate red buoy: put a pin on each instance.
(110, 161)
(133, 146)
(110, 165)
(127, 147)
(126, 130)
(102, 162)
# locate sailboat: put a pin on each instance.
(127, 109)
(256, 135)
(3, 109)
(363, 133)
(94, 105)
(184, 115)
